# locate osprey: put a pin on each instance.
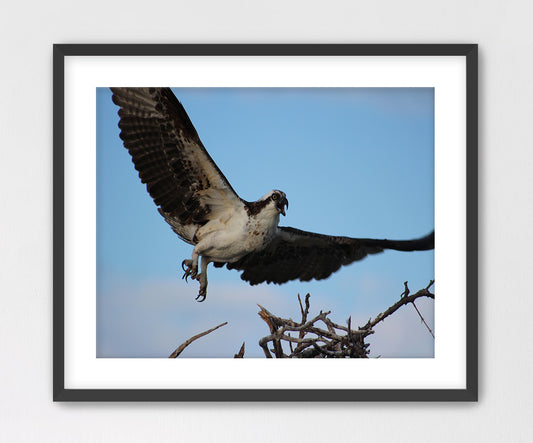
(203, 209)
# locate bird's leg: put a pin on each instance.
(202, 278)
(191, 265)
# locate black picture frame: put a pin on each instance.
(469, 393)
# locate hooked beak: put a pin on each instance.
(282, 204)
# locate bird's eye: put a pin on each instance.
(275, 196)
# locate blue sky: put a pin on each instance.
(352, 161)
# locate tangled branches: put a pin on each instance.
(319, 337)
(311, 341)
(322, 338)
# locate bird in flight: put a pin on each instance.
(203, 209)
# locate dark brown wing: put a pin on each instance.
(302, 255)
(179, 174)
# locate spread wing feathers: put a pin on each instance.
(165, 148)
(296, 254)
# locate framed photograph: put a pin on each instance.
(265, 222)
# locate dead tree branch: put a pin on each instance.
(313, 339)
(181, 347)
(240, 354)
(319, 337)
(322, 338)
(423, 321)
(403, 301)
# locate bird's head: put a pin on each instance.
(278, 199)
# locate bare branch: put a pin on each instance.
(180, 348)
(305, 311)
(406, 292)
(240, 354)
(403, 301)
(424, 321)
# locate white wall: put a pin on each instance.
(502, 29)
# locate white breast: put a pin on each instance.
(232, 235)
(261, 229)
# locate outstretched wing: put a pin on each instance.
(302, 255)
(178, 172)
